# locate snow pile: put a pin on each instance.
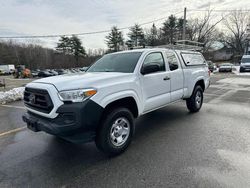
(11, 95)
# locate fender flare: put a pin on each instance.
(120, 95)
(200, 78)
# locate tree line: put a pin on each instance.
(37, 57)
(229, 29)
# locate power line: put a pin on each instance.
(81, 34)
(106, 31)
(217, 10)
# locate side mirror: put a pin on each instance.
(173, 67)
(150, 68)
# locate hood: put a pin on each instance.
(226, 66)
(84, 80)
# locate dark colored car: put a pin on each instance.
(44, 73)
(61, 71)
(83, 69)
(226, 67)
(34, 73)
(54, 73)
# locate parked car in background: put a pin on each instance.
(226, 67)
(61, 71)
(7, 69)
(245, 63)
(54, 73)
(72, 70)
(84, 69)
(34, 73)
(44, 73)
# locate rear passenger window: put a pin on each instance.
(155, 58)
(193, 59)
(172, 61)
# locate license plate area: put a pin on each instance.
(32, 125)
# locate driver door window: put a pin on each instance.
(155, 58)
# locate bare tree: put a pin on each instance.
(203, 29)
(236, 23)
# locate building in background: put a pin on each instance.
(219, 52)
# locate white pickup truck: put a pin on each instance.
(102, 103)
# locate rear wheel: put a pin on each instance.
(194, 103)
(115, 133)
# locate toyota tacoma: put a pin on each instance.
(101, 104)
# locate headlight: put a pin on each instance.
(78, 95)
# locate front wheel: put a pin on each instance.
(194, 103)
(115, 132)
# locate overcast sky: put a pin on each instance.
(42, 17)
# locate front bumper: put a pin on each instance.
(245, 69)
(225, 70)
(76, 122)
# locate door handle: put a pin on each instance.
(166, 78)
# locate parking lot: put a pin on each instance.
(171, 147)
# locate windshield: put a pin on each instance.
(119, 62)
(245, 60)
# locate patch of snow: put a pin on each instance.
(11, 95)
(237, 71)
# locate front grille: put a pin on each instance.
(38, 99)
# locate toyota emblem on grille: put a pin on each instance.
(32, 98)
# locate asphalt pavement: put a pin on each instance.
(171, 147)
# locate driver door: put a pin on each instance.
(155, 85)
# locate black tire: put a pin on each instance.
(192, 103)
(104, 140)
(242, 70)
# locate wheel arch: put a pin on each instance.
(201, 83)
(128, 102)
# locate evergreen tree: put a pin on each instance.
(71, 46)
(76, 48)
(169, 29)
(152, 38)
(64, 45)
(114, 40)
(136, 37)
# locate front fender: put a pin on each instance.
(107, 99)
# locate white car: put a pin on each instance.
(245, 63)
(226, 67)
(102, 103)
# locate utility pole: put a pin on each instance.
(248, 40)
(184, 25)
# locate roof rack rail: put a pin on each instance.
(179, 45)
